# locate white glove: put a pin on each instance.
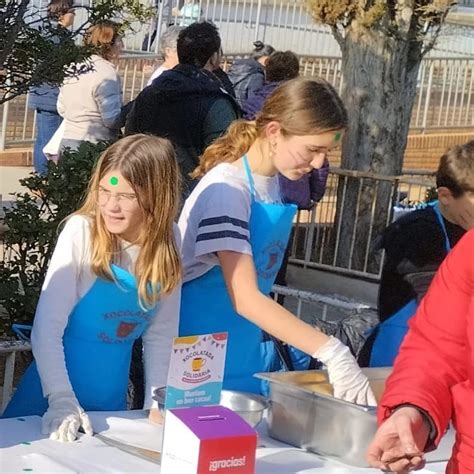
(348, 381)
(64, 417)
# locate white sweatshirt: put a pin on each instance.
(59, 295)
(91, 103)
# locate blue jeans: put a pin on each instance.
(46, 124)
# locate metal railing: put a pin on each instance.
(285, 24)
(314, 307)
(321, 238)
(8, 352)
(445, 96)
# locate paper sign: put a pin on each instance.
(196, 370)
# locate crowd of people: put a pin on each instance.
(196, 203)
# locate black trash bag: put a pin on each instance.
(353, 330)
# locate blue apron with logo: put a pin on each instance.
(206, 306)
(391, 332)
(98, 344)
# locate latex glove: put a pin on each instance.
(348, 381)
(64, 417)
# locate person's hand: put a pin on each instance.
(399, 442)
(155, 416)
(345, 376)
(64, 417)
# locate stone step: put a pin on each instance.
(16, 157)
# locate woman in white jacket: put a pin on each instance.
(91, 102)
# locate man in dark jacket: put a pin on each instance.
(185, 104)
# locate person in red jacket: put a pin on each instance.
(433, 378)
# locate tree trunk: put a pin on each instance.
(380, 75)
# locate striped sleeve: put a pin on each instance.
(223, 232)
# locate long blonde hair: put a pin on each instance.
(300, 106)
(149, 164)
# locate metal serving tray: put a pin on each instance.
(303, 413)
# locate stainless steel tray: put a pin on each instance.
(304, 414)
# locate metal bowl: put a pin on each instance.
(249, 406)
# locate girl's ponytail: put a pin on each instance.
(229, 148)
(301, 106)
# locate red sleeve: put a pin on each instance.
(434, 354)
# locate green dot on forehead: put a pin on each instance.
(337, 136)
(114, 180)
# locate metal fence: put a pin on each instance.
(444, 99)
(285, 24)
(319, 239)
(9, 351)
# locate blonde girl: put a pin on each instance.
(235, 231)
(115, 275)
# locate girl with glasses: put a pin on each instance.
(115, 276)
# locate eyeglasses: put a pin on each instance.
(126, 201)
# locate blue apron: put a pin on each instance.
(390, 333)
(206, 306)
(98, 344)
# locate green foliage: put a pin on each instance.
(431, 194)
(35, 49)
(32, 229)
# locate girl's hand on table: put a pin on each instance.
(64, 418)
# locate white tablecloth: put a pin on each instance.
(24, 449)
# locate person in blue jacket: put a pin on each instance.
(415, 246)
(115, 276)
(43, 98)
(235, 231)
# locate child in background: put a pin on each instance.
(235, 231)
(432, 382)
(280, 66)
(248, 74)
(415, 246)
(115, 275)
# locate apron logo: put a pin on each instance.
(117, 332)
(125, 329)
(269, 259)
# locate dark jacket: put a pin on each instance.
(414, 243)
(247, 75)
(307, 190)
(254, 103)
(189, 108)
(225, 81)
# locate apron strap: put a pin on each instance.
(249, 177)
(439, 216)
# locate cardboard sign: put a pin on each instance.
(196, 371)
(204, 440)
